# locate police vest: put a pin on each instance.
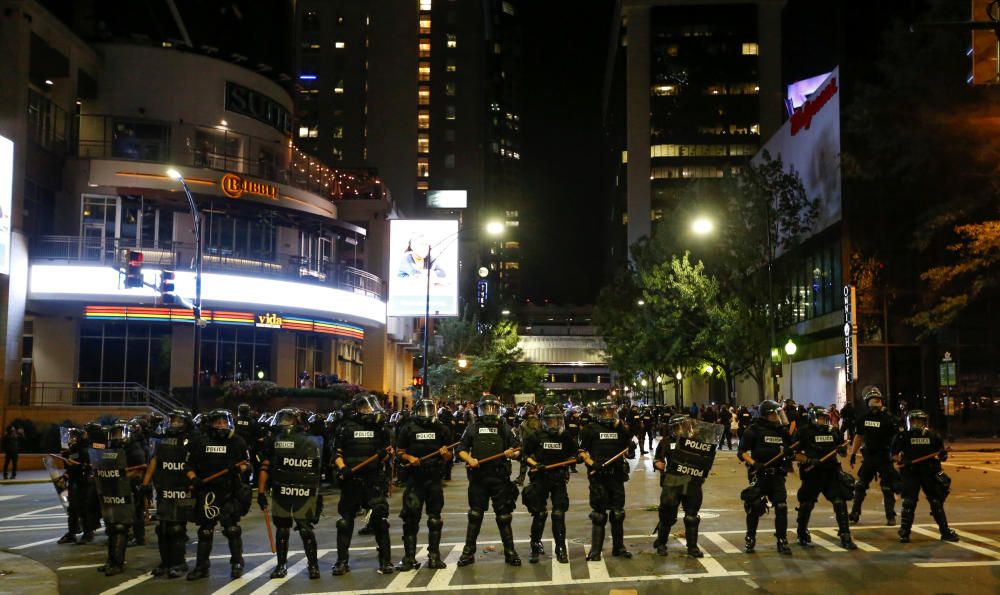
(487, 440)
(919, 443)
(768, 443)
(691, 458)
(816, 442)
(425, 439)
(214, 454)
(295, 460)
(552, 449)
(359, 442)
(607, 442)
(878, 430)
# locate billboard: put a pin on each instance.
(809, 143)
(6, 200)
(799, 91)
(447, 199)
(409, 241)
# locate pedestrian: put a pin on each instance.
(290, 470)
(921, 451)
(834, 416)
(550, 446)
(725, 419)
(174, 501)
(648, 426)
(13, 438)
(116, 497)
(422, 447)
(764, 450)
(684, 470)
(604, 445)
(819, 444)
(223, 500)
(875, 430)
(694, 411)
(363, 444)
(489, 438)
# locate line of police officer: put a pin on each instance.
(200, 469)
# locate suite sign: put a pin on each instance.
(253, 104)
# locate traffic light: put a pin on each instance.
(133, 272)
(418, 381)
(167, 287)
(984, 50)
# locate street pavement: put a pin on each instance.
(31, 520)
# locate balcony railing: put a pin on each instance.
(180, 256)
(93, 394)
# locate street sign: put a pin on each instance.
(947, 375)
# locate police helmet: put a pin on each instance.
(220, 423)
(75, 435)
(917, 419)
(243, 410)
(770, 407)
(819, 416)
(178, 422)
(554, 419)
(137, 426)
(286, 420)
(873, 393)
(118, 433)
(367, 409)
(488, 408)
(425, 411)
(606, 411)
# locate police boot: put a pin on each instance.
(309, 545)
(86, 538)
(281, 545)
(381, 527)
(434, 526)
(691, 532)
(859, 497)
(662, 537)
(537, 526)
(200, 570)
(596, 535)
(889, 502)
(409, 561)
(471, 535)
(843, 525)
(163, 543)
(750, 541)
(507, 537)
(559, 535)
(937, 511)
(69, 537)
(781, 528)
(909, 508)
(116, 552)
(345, 529)
(802, 523)
(235, 536)
(618, 535)
(178, 551)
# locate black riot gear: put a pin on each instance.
(920, 451)
(607, 412)
(489, 409)
(175, 501)
(286, 420)
(876, 429)
(367, 409)
(872, 396)
(819, 416)
(220, 423)
(114, 492)
(424, 411)
(761, 448)
(818, 444)
(917, 419)
(178, 422)
(243, 410)
(554, 422)
(768, 408)
(118, 434)
(542, 449)
(600, 443)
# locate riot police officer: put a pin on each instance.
(96, 438)
(488, 437)
(115, 493)
(290, 467)
(552, 445)
(77, 472)
(528, 425)
(876, 429)
(648, 430)
(248, 429)
(684, 471)
(422, 448)
(137, 456)
(447, 420)
(920, 451)
(223, 500)
(174, 501)
(819, 440)
(604, 444)
(573, 427)
(763, 448)
(362, 443)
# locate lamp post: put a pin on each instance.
(493, 228)
(790, 349)
(659, 389)
(680, 389)
(198, 323)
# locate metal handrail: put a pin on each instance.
(92, 394)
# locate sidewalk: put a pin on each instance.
(30, 476)
(22, 575)
(974, 444)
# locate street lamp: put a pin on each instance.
(702, 226)
(493, 228)
(463, 363)
(790, 349)
(640, 303)
(198, 322)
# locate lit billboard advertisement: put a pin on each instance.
(799, 91)
(447, 199)
(6, 200)
(409, 241)
(809, 143)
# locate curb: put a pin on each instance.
(26, 576)
(14, 482)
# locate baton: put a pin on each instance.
(933, 455)
(438, 452)
(64, 459)
(219, 474)
(828, 455)
(775, 458)
(270, 532)
(559, 464)
(364, 463)
(611, 460)
(495, 457)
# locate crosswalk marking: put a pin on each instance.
(865, 547)
(272, 584)
(560, 572)
(442, 578)
(597, 569)
(827, 545)
(402, 579)
(128, 584)
(722, 543)
(10, 497)
(967, 546)
(978, 538)
(34, 543)
(237, 584)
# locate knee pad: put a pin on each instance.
(174, 530)
(887, 490)
(345, 525)
(306, 534)
(935, 504)
(598, 518)
(205, 532)
(558, 515)
(119, 528)
(807, 506)
(691, 519)
(860, 485)
(839, 502)
(380, 508)
(617, 516)
(781, 508)
(434, 523)
(504, 519)
(756, 508)
(475, 515)
(541, 515)
(232, 531)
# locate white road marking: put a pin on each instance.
(19, 528)
(965, 546)
(78, 567)
(711, 564)
(560, 572)
(128, 584)
(978, 538)
(865, 547)
(827, 545)
(722, 543)
(597, 569)
(248, 576)
(442, 578)
(10, 497)
(957, 564)
(22, 516)
(34, 543)
(271, 585)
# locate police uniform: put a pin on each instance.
(78, 481)
(764, 441)
(877, 428)
(546, 447)
(816, 441)
(603, 440)
(574, 426)
(137, 455)
(114, 491)
(174, 501)
(648, 426)
(248, 429)
(685, 469)
(486, 437)
(419, 438)
(909, 446)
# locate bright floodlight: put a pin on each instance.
(702, 226)
(505, 312)
(174, 174)
(790, 347)
(679, 376)
(494, 228)
(463, 363)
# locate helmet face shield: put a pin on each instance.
(489, 408)
(425, 410)
(367, 405)
(779, 418)
(285, 419)
(606, 411)
(917, 420)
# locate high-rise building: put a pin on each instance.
(691, 88)
(427, 92)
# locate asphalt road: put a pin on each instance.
(31, 520)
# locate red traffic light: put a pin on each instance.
(133, 271)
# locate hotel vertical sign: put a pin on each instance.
(850, 334)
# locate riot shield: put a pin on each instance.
(114, 492)
(295, 477)
(58, 478)
(64, 437)
(694, 452)
(699, 430)
(174, 501)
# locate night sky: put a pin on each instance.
(566, 43)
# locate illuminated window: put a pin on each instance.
(424, 49)
(744, 150)
(508, 8)
(308, 132)
(687, 151)
(424, 4)
(424, 71)
(661, 90)
(509, 214)
(497, 48)
(744, 89)
(672, 49)
(423, 143)
(449, 112)
(449, 161)
(423, 167)
(422, 185)
(424, 96)
(755, 129)
(449, 89)
(512, 245)
(339, 89)
(339, 45)
(452, 40)
(750, 49)
(423, 119)
(715, 90)
(425, 25)
(656, 214)
(511, 265)
(450, 66)
(625, 156)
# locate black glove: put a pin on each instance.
(538, 467)
(757, 467)
(197, 484)
(235, 469)
(344, 473)
(262, 500)
(854, 459)
(812, 462)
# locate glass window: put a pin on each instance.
(424, 4)
(423, 167)
(449, 161)
(450, 66)
(423, 143)
(310, 21)
(451, 40)
(425, 25)
(423, 119)
(662, 90)
(449, 112)
(750, 49)
(449, 89)
(339, 45)
(142, 141)
(424, 96)
(424, 49)
(424, 71)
